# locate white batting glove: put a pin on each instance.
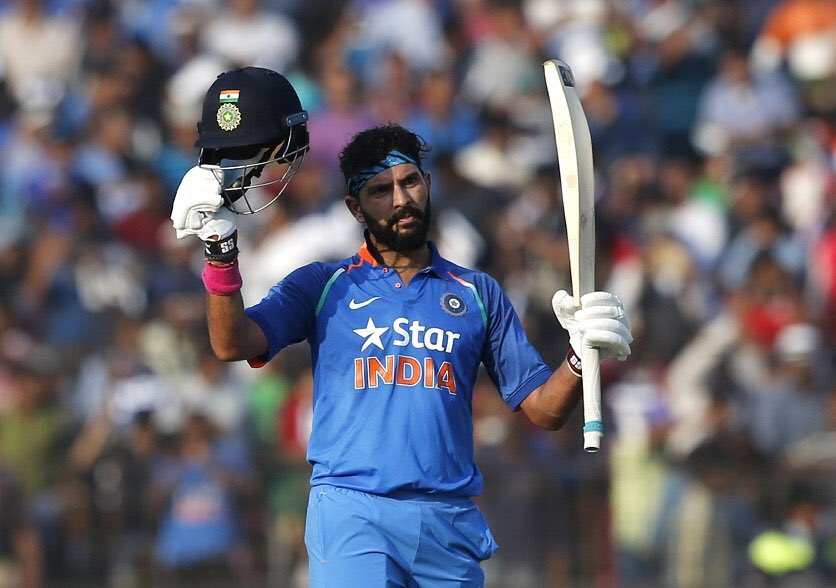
(198, 206)
(600, 322)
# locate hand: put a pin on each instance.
(198, 206)
(600, 322)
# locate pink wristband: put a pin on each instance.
(222, 281)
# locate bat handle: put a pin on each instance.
(593, 428)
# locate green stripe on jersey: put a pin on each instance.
(328, 285)
(473, 289)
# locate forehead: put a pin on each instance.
(392, 174)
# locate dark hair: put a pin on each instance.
(367, 148)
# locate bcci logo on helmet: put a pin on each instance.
(229, 117)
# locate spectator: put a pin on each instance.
(441, 117)
(705, 523)
(343, 112)
(246, 33)
(503, 64)
(21, 559)
(420, 44)
(747, 114)
(737, 340)
(289, 488)
(765, 232)
(798, 34)
(199, 539)
(32, 430)
(40, 55)
(677, 71)
(640, 472)
(794, 404)
(793, 552)
(114, 460)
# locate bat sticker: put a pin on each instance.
(567, 75)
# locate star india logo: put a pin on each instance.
(406, 333)
(405, 369)
(371, 333)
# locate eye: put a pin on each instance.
(411, 180)
(378, 191)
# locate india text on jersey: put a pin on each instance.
(403, 370)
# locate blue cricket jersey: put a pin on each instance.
(394, 368)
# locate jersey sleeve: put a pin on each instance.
(287, 313)
(513, 364)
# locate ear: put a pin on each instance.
(428, 178)
(353, 206)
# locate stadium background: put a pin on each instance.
(129, 456)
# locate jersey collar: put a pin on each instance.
(438, 265)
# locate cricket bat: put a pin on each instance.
(574, 157)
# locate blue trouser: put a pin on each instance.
(355, 539)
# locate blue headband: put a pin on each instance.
(393, 158)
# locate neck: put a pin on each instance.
(406, 263)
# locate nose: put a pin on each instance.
(401, 196)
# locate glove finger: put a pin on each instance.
(206, 207)
(182, 234)
(194, 220)
(563, 304)
(605, 324)
(593, 312)
(199, 187)
(202, 175)
(613, 313)
(197, 216)
(600, 299)
(612, 343)
(178, 216)
(216, 228)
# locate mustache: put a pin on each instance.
(404, 212)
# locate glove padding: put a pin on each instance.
(600, 322)
(198, 206)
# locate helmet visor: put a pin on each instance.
(252, 178)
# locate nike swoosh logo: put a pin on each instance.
(355, 305)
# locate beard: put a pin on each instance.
(402, 239)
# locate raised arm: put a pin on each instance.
(198, 211)
(551, 405)
(233, 335)
(600, 322)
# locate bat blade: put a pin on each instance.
(574, 157)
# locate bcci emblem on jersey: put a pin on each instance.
(453, 305)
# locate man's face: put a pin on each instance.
(395, 206)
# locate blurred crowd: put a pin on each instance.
(130, 456)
